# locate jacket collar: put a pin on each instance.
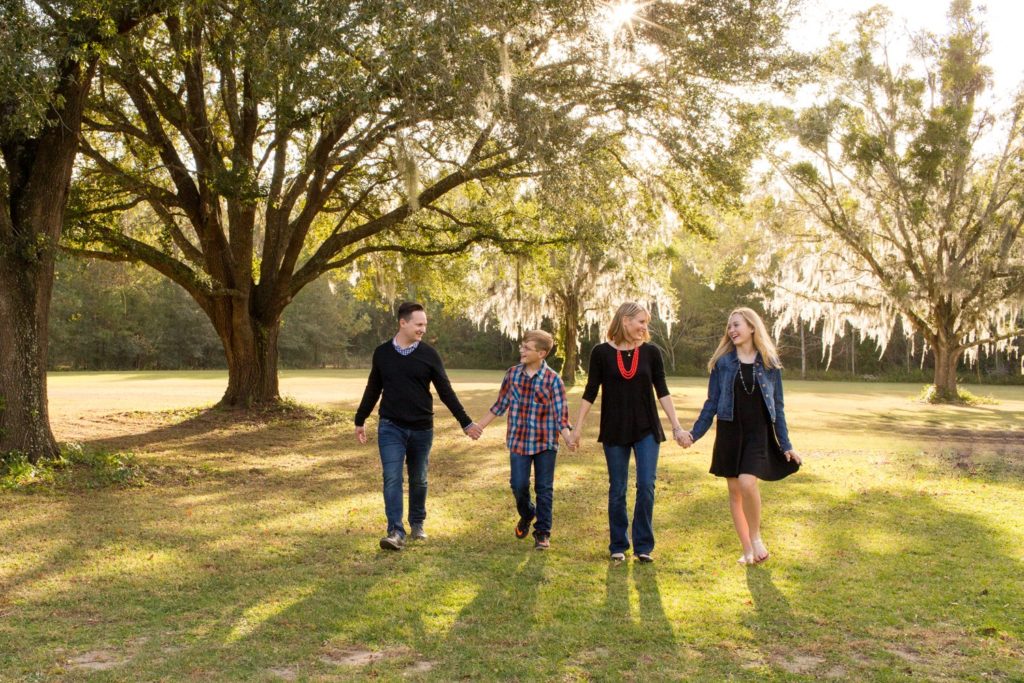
(734, 359)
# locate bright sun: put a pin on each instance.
(619, 14)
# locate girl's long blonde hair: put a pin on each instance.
(762, 342)
(616, 331)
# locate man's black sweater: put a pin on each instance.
(405, 382)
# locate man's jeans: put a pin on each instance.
(646, 450)
(543, 483)
(399, 446)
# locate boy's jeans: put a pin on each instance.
(411, 447)
(646, 450)
(543, 483)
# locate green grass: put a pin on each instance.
(248, 551)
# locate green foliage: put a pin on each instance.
(26, 70)
(933, 394)
(898, 211)
(75, 467)
(106, 316)
(319, 326)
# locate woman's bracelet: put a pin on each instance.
(676, 430)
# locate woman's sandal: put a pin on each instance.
(760, 551)
(618, 557)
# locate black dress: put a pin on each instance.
(747, 444)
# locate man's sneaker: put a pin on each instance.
(393, 541)
(523, 527)
(541, 542)
(417, 532)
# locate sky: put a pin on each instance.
(1003, 20)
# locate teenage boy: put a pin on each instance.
(534, 397)
(403, 369)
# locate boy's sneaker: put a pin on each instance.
(417, 532)
(393, 541)
(523, 527)
(541, 542)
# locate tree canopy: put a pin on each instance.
(243, 148)
(901, 212)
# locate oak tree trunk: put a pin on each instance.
(24, 310)
(250, 346)
(572, 316)
(946, 358)
(38, 179)
(803, 353)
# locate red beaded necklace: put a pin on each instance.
(628, 374)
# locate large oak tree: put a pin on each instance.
(48, 57)
(906, 213)
(252, 146)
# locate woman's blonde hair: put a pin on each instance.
(616, 331)
(762, 342)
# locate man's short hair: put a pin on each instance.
(542, 341)
(407, 308)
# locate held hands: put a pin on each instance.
(574, 439)
(474, 431)
(682, 437)
(791, 455)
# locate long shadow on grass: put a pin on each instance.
(896, 580)
(198, 430)
(241, 596)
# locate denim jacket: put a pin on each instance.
(720, 396)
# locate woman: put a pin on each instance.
(629, 372)
(751, 438)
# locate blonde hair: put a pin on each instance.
(541, 339)
(616, 331)
(762, 342)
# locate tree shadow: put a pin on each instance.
(232, 577)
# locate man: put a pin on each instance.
(403, 369)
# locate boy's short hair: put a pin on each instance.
(541, 340)
(407, 308)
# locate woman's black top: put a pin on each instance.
(629, 411)
(747, 444)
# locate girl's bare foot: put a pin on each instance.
(747, 558)
(760, 551)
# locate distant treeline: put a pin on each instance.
(112, 316)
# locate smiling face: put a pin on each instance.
(635, 327)
(739, 330)
(413, 329)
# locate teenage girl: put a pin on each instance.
(751, 438)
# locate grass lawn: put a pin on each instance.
(248, 550)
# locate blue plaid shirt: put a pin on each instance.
(537, 409)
